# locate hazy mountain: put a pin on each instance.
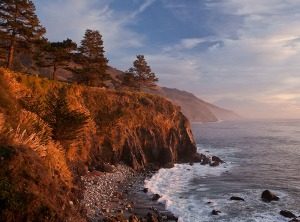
(196, 109)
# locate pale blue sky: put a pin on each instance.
(241, 54)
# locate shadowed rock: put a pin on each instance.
(145, 190)
(268, 196)
(155, 197)
(294, 220)
(215, 212)
(237, 198)
(287, 214)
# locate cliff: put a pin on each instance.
(196, 109)
(51, 133)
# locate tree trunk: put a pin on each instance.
(10, 59)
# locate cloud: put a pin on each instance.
(70, 18)
(258, 66)
(142, 8)
(188, 43)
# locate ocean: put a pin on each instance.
(259, 155)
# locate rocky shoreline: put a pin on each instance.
(118, 194)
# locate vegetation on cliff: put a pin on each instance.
(53, 132)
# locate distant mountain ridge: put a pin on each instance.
(196, 109)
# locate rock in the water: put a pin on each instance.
(237, 198)
(268, 196)
(205, 161)
(287, 213)
(214, 164)
(215, 212)
(155, 197)
(171, 217)
(145, 190)
(294, 220)
(201, 158)
(217, 159)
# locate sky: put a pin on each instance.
(243, 55)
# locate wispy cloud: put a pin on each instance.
(142, 8)
(259, 66)
(70, 18)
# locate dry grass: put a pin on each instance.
(31, 131)
(119, 124)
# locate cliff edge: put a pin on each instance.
(54, 132)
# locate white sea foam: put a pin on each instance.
(172, 183)
(181, 196)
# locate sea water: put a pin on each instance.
(259, 155)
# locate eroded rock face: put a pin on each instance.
(136, 128)
(153, 134)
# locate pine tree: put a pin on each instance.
(140, 75)
(19, 26)
(91, 58)
(56, 55)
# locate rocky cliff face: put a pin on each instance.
(36, 116)
(136, 128)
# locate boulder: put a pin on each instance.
(215, 212)
(216, 159)
(200, 158)
(287, 214)
(105, 167)
(205, 161)
(268, 196)
(155, 197)
(214, 164)
(145, 190)
(237, 198)
(171, 217)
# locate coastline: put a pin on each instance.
(119, 195)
